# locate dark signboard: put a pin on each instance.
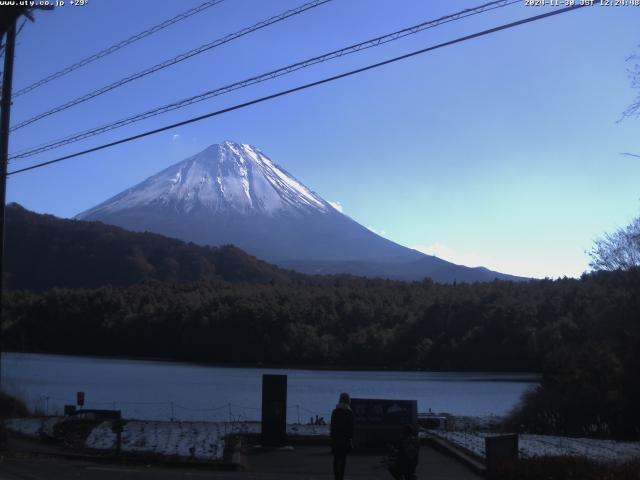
(390, 413)
(379, 422)
(274, 409)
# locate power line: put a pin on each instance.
(118, 46)
(173, 61)
(302, 87)
(21, 27)
(264, 77)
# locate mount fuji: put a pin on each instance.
(233, 193)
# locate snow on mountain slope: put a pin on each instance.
(228, 176)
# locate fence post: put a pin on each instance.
(172, 415)
(298, 410)
(230, 414)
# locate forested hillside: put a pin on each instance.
(43, 251)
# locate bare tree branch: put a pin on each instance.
(634, 75)
(619, 250)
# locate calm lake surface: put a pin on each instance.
(163, 390)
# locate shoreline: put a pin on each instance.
(531, 376)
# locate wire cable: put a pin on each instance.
(21, 27)
(172, 61)
(374, 42)
(304, 87)
(118, 46)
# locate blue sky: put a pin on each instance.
(504, 151)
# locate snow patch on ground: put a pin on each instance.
(34, 427)
(26, 426)
(196, 440)
(539, 445)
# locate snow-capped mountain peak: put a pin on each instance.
(223, 177)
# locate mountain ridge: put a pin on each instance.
(44, 251)
(232, 193)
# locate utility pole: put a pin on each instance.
(5, 112)
(7, 24)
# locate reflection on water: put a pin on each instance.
(163, 390)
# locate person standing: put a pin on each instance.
(342, 425)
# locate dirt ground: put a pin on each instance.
(303, 462)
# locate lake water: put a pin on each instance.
(163, 390)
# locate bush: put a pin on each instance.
(591, 390)
(11, 407)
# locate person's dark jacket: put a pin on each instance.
(342, 424)
(408, 452)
